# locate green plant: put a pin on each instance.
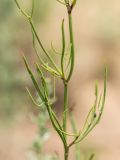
(64, 73)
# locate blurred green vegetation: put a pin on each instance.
(14, 38)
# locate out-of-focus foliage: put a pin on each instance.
(8, 60)
(36, 151)
(12, 73)
(5, 9)
(41, 11)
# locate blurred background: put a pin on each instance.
(97, 38)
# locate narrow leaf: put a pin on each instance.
(17, 4)
(63, 48)
(33, 6)
(33, 78)
(33, 100)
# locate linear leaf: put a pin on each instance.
(33, 78)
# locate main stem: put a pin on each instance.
(65, 106)
(65, 82)
(66, 153)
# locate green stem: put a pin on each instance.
(65, 106)
(72, 46)
(66, 153)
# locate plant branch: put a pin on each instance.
(72, 47)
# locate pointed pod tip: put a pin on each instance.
(96, 88)
(105, 68)
(63, 22)
(24, 59)
(23, 56)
